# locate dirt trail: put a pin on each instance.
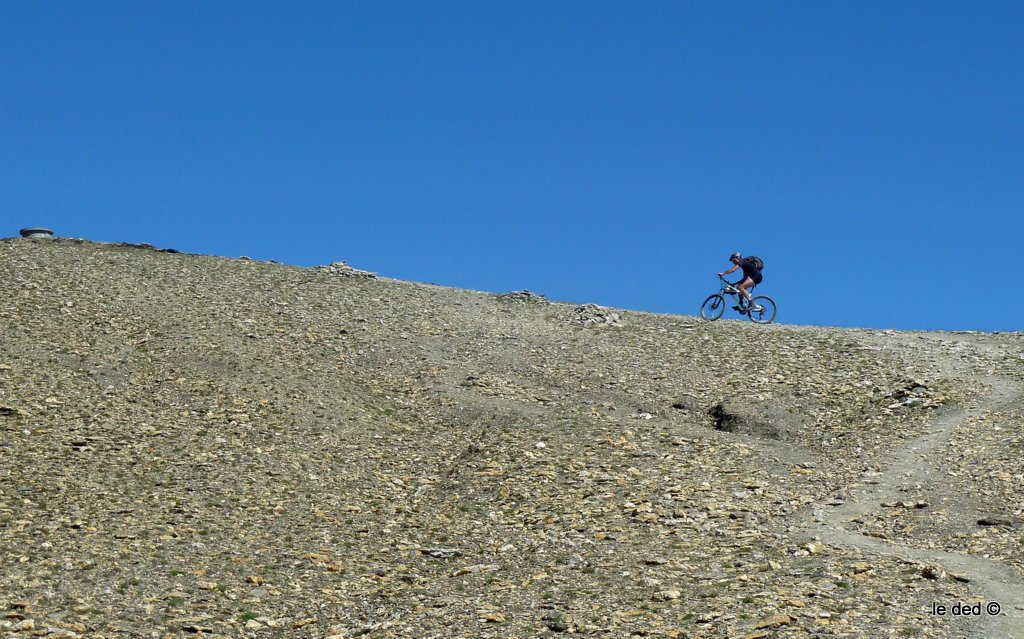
(918, 462)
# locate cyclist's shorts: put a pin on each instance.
(754, 275)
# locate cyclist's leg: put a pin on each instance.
(756, 280)
(743, 286)
(751, 283)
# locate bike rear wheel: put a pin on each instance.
(767, 313)
(713, 307)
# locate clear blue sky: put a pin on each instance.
(609, 152)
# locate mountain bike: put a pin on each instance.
(761, 310)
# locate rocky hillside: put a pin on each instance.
(194, 445)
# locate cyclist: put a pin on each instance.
(751, 278)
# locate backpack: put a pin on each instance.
(756, 261)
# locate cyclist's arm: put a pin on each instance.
(734, 267)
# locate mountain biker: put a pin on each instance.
(751, 277)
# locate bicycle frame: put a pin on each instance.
(734, 291)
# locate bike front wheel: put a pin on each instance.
(713, 307)
(767, 312)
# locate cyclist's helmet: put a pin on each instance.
(734, 256)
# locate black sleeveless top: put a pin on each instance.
(749, 270)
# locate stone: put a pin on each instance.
(524, 296)
(593, 314)
(343, 269)
(861, 567)
(995, 520)
(775, 621)
(555, 622)
(440, 553)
